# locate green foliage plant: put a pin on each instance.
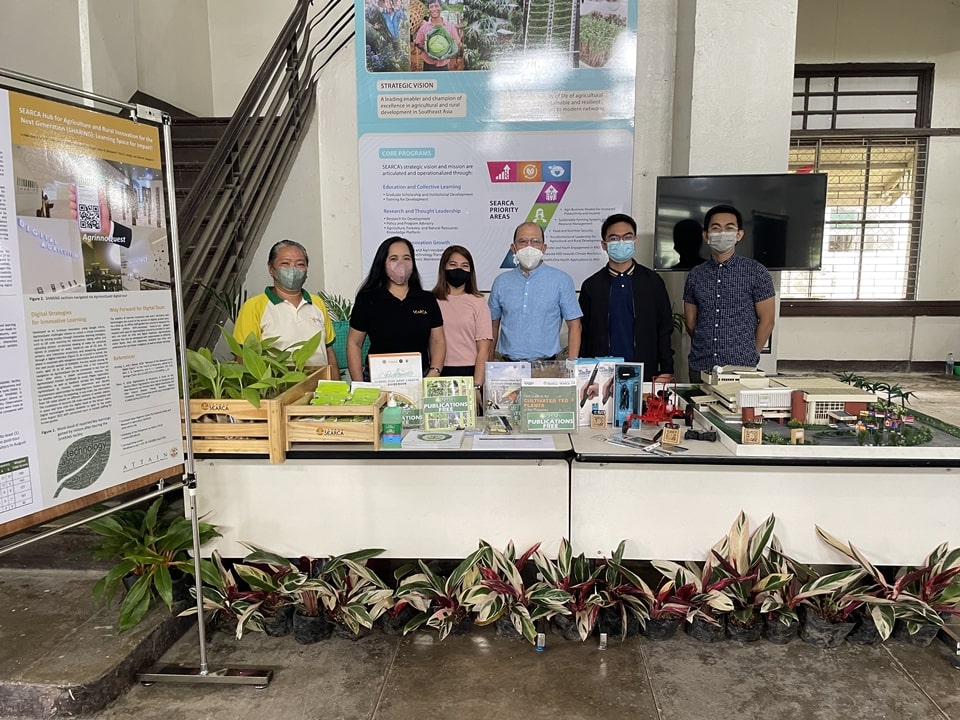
(739, 555)
(265, 371)
(624, 591)
(574, 576)
(918, 595)
(225, 600)
(439, 600)
(700, 586)
(149, 544)
(350, 593)
(502, 592)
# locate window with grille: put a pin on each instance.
(860, 127)
(823, 408)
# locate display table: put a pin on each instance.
(894, 505)
(331, 499)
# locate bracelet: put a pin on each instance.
(433, 368)
(478, 386)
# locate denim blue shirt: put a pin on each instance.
(726, 295)
(530, 309)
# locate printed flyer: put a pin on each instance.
(88, 375)
(476, 117)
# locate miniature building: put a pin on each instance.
(770, 403)
(814, 398)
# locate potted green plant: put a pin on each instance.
(739, 555)
(625, 596)
(703, 589)
(351, 594)
(913, 606)
(574, 576)
(440, 600)
(153, 547)
(823, 603)
(276, 579)
(231, 608)
(340, 308)
(781, 623)
(503, 598)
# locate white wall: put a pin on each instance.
(42, 38)
(173, 53)
(113, 47)
(241, 34)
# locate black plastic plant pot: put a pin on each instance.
(565, 626)
(864, 632)
(342, 631)
(816, 631)
(393, 624)
(922, 638)
(310, 629)
(610, 622)
(661, 628)
(779, 633)
(745, 633)
(705, 631)
(279, 624)
(506, 629)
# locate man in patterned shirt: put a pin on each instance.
(728, 301)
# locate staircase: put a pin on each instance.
(229, 172)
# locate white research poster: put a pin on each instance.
(88, 375)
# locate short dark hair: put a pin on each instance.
(613, 220)
(716, 209)
(286, 243)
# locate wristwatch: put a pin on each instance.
(433, 368)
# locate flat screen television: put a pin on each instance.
(783, 216)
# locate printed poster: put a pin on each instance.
(476, 117)
(88, 374)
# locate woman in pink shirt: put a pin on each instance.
(466, 318)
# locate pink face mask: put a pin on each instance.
(399, 271)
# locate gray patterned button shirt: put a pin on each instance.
(725, 295)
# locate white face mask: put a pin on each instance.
(529, 257)
(722, 242)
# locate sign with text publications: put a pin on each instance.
(88, 378)
(476, 117)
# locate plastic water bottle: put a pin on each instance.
(949, 363)
(391, 425)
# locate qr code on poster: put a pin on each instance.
(89, 217)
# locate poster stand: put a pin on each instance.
(202, 673)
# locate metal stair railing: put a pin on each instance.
(225, 213)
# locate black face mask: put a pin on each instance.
(457, 277)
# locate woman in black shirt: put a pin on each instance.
(396, 312)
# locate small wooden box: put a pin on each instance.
(361, 423)
(236, 427)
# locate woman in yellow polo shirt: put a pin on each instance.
(287, 311)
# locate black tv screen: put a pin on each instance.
(783, 216)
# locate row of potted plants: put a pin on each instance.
(746, 587)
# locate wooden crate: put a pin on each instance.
(250, 430)
(301, 428)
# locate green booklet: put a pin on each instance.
(548, 405)
(449, 403)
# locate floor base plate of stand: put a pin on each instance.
(219, 676)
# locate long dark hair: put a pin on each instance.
(377, 278)
(442, 288)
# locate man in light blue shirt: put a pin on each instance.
(528, 303)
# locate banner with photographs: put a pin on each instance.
(479, 115)
(88, 376)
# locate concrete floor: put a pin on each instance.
(61, 654)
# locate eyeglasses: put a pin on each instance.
(730, 227)
(524, 242)
(629, 237)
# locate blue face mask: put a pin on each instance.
(621, 251)
(290, 278)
